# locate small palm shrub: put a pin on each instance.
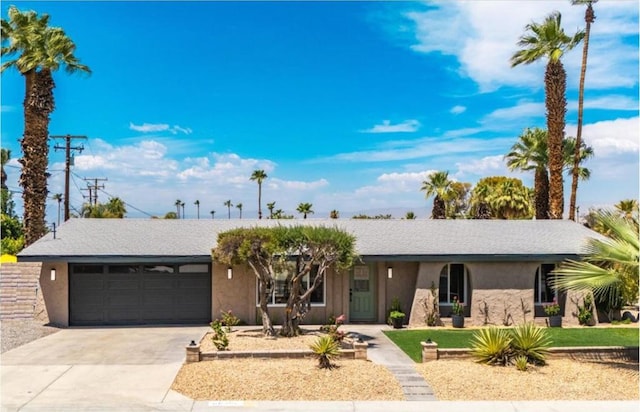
(325, 349)
(531, 342)
(491, 346)
(522, 363)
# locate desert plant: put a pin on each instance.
(484, 311)
(457, 308)
(432, 311)
(530, 341)
(585, 312)
(521, 363)
(325, 349)
(507, 319)
(229, 320)
(552, 309)
(332, 327)
(491, 346)
(524, 306)
(219, 338)
(395, 307)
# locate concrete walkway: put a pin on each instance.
(384, 352)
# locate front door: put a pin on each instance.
(361, 294)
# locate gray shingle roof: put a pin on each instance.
(78, 239)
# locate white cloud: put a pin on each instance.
(458, 109)
(611, 137)
(482, 35)
(407, 126)
(298, 185)
(486, 166)
(159, 127)
(613, 102)
(523, 110)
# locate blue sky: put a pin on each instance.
(348, 106)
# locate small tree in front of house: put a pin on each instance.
(261, 251)
(314, 249)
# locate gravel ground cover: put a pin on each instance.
(17, 332)
(253, 339)
(463, 380)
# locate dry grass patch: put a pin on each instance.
(560, 379)
(286, 379)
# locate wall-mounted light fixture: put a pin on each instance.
(390, 272)
(229, 272)
(53, 273)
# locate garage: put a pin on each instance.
(138, 294)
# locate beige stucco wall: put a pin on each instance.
(401, 286)
(56, 292)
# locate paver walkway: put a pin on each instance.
(384, 352)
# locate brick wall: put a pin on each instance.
(20, 295)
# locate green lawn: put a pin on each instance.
(409, 340)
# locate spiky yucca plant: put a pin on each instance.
(325, 349)
(531, 342)
(491, 346)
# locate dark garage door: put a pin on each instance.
(139, 294)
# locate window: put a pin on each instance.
(453, 283)
(280, 292)
(543, 292)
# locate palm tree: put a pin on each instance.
(228, 205)
(259, 176)
(213, 212)
(182, 206)
(304, 209)
(549, 40)
(627, 208)
(530, 153)
(239, 206)
(58, 197)
(197, 203)
(586, 152)
(6, 155)
(41, 51)
(410, 216)
(271, 206)
(589, 17)
(178, 203)
(334, 214)
(116, 207)
(610, 263)
(437, 185)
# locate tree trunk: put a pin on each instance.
(259, 200)
(267, 325)
(542, 194)
(439, 210)
(38, 104)
(291, 325)
(556, 105)
(589, 18)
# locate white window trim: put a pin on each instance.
(282, 305)
(538, 299)
(464, 283)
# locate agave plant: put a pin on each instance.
(531, 342)
(325, 349)
(491, 346)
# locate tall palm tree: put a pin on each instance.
(610, 263)
(41, 50)
(548, 40)
(178, 203)
(228, 205)
(182, 206)
(304, 209)
(6, 155)
(259, 176)
(58, 197)
(530, 153)
(437, 185)
(197, 203)
(213, 212)
(271, 206)
(116, 207)
(589, 17)
(239, 206)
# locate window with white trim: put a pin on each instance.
(453, 283)
(543, 292)
(280, 292)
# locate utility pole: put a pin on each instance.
(67, 165)
(95, 187)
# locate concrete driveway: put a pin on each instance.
(128, 368)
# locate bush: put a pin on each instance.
(325, 349)
(219, 338)
(332, 328)
(229, 320)
(531, 342)
(491, 346)
(522, 363)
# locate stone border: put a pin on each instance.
(430, 352)
(351, 349)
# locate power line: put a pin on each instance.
(67, 166)
(128, 204)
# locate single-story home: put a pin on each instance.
(160, 271)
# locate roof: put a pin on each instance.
(84, 240)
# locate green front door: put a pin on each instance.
(362, 294)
